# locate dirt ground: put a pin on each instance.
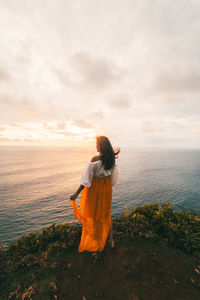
(138, 270)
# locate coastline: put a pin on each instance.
(159, 252)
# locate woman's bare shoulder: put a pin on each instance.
(95, 158)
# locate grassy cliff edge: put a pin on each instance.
(156, 255)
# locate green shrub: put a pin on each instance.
(182, 229)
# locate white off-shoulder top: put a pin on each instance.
(96, 169)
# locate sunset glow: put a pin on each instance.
(128, 70)
(48, 133)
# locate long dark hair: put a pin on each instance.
(108, 154)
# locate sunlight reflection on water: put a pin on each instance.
(35, 184)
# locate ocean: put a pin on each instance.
(36, 183)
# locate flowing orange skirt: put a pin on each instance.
(94, 214)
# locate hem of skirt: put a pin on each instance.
(97, 250)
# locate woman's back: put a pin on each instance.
(96, 169)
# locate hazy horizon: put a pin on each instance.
(93, 147)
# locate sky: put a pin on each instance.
(71, 70)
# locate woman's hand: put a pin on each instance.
(73, 196)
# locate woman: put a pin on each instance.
(98, 177)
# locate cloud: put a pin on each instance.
(119, 101)
(150, 127)
(89, 72)
(97, 114)
(176, 78)
(57, 126)
(61, 125)
(45, 132)
(82, 123)
(4, 75)
(69, 134)
(4, 139)
(15, 107)
(21, 108)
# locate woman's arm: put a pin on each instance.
(114, 175)
(75, 195)
(86, 180)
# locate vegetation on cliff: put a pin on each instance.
(151, 241)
